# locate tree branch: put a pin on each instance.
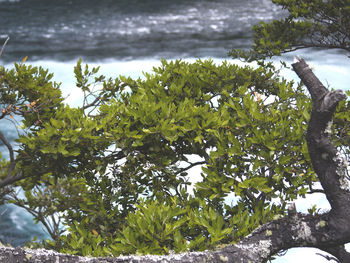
(190, 166)
(329, 165)
(12, 164)
(339, 252)
(10, 180)
(9, 147)
(291, 231)
(3, 46)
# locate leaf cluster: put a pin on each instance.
(28, 92)
(307, 24)
(163, 228)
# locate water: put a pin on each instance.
(128, 29)
(128, 37)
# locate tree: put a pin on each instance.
(138, 143)
(115, 169)
(308, 24)
(326, 231)
(28, 96)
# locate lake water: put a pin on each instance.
(128, 37)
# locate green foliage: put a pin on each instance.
(82, 241)
(154, 228)
(27, 91)
(137, 138)
(162, 228)
(27, 95)
(116, 170)
(308, 23)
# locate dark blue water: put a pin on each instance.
(128, 29)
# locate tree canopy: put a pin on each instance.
(116, 170)
(307, 24)
(137, 139)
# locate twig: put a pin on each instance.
(3, 46)
(10, 149)
(11, 180)
(190, 166)
(329, 258)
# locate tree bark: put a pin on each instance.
(329, 165)
(328, 231)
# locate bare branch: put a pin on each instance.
(12, 165)
(3, 46)
(10, 180)
(339, 252)
(8, 145)
(329, 258)
(190, 166)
